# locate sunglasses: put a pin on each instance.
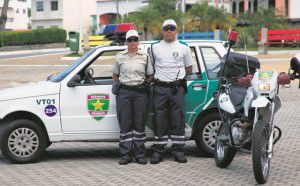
(170, 27)
(132, 39)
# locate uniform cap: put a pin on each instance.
(169, 22)
(132, 33)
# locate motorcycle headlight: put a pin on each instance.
(264, 87)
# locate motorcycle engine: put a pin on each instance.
(240, 131)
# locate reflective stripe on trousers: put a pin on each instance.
(132, 111)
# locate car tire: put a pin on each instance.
(22, 141)
(206, 132)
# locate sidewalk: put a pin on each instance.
(271, 52)
(35, 51)
(251, 53)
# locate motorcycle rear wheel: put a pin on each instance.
(224, 152)
(260, 159)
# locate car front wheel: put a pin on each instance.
(206, 132)
(22, 141)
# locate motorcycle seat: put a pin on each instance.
(237, 95)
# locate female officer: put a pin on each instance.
(134, 73)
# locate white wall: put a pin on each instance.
(76, 12)
(294, 9)
(69, 15)
(16, 20)
(104, 7)
(47, 13)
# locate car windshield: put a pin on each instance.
(59, 77)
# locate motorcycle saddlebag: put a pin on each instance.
(236, 65)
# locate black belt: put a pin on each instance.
(177, 83)
(133, 87)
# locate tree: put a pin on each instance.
(3, 17)
(262, 18)
(149, 19)
(207, 18)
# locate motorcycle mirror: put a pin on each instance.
(232, 37)
(245, 81)
(283, 79)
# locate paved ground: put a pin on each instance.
(96, 163)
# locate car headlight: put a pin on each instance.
(264, 87)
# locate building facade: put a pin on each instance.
(286, 8)
(71, 15)
(109, 10)
(17, 14)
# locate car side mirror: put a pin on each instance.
(49, 77)
(74, 81)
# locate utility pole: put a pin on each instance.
(80, 24)
(118, 11)
(3, 17)
(183, 19)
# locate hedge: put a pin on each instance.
(37, 36)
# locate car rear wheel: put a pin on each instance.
(206, 132)
(22, 141)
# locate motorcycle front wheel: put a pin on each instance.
(260, 159)
(224, 152)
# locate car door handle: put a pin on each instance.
(198, 86)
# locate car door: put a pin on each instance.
(204, 80)
(196, 96)
(91, 107)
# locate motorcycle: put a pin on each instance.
(247, 106)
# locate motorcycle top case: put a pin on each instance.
(236, 65)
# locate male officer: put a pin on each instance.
(172, 61)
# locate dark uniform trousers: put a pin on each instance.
(169, 118)
(132, 108)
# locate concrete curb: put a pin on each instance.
(253, 53)
(35, 51)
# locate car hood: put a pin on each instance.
(30, 90)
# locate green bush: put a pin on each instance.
(37, 36)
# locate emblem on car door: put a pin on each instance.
(98, 105)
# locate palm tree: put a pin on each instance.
(207, 18)
(150, 18)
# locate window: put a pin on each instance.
(40, 27)
(103, 65)
(39, 6)
(54, 5)
(196, 68)
(9, 19)
(196, 73)
(54, 26)
(24, 11)
(17, 11)
(212, 62)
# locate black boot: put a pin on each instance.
(142, 161)
(180, 157)
(156, 158)
(125, 160)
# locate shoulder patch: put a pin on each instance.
(184, 43)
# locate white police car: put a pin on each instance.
(77, 104)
